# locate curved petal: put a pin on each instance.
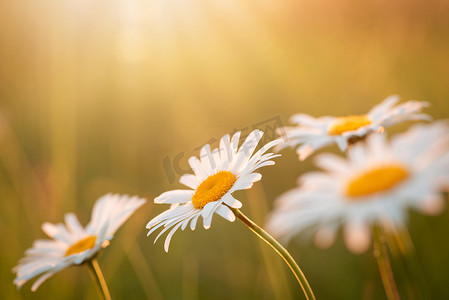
(197, 167)
(190, 180)
(170, 235)
(246, 182)
(357, 236)
(225, 213)
(231, 201)
(225, 151)
(246, 150)
(174, 196)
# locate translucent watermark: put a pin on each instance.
(177, 165)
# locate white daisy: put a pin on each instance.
(72, 244)
(377, 182)
(315, 133)
(218, 173)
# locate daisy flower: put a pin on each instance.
(377, 182)
(315, 133)
(218, 173)
(71, 243)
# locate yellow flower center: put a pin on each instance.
(213, 188)
(349, 123)
(376, 180)
(82, 245)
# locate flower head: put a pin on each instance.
(376, 183)
(71, 243)
(218, 173)
(315, 133)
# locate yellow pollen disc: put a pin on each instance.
(376, 180)
(82, 245)
(213, 188)
(349, 123)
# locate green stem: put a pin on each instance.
(279, 249)
(97, 275)
(403, 242)
(383, 262)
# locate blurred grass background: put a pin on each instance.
(95, 95)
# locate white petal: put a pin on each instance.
(216, 159)
(208, 212)
(225, 151)
(246, 182)
(40, 280)
(260, 156)
(174, 196)
(226, 213)
(101, 209)
(193, 222)
(263, 164)
(246, 150)
(309, 121)
(207, 221)
(304, 151)
(121, 211)
(433, 205)
(357, 237)
(357, 154)
(190, 180)
(264, 149)
(169, 236)
(171, 213)
(197, 167)
(342, 143)
(168, 225)
(155, 227)
(58, 232)
(208, 209)
(380, 109)
(324, 238)
(207, 160)
(235, 143)
(74, 225)
(231, 201)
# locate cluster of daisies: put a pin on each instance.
(376, 182)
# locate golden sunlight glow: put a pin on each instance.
(213, 188)
(349, 123)
(376, 180)
(82, 245)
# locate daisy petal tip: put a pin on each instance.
(324, 238)
(357, 238)
(158, 200)
(304, 152)
(278, 148)
(278, 142)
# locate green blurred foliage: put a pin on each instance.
(94, 96)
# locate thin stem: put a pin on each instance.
(403, 242)
(97, 275)
(279, 249)
(383, 262)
